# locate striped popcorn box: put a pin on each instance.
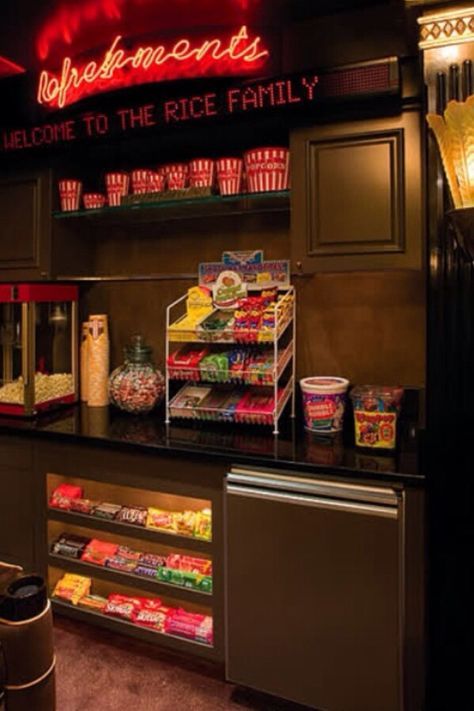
(267, 169)
(229, 175)
(117, 186)
(70, 194)
(201, 173)
(93, 201)
(176, 175)
(156, 181)
(140, 180)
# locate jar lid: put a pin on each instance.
(137, 351)
(384, 392)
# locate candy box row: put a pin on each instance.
(145, 611)
(70, 497)
(234, 366)
(224, 405)
(176, 569)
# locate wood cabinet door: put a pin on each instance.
(357, 195)
(25, 225)
(17, 524)
(313, 600)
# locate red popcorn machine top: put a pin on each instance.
(38, 347)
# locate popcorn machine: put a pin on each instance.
(38, 347)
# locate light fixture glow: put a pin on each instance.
(455, 137)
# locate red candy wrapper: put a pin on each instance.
(98, 552)
(62, 495)
(122, 606)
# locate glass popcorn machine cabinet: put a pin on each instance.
(38, 347)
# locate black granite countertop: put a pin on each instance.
(293, 449)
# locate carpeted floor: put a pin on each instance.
(101, 671)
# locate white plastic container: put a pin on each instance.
(324, 400)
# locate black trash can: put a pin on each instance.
(27, 658)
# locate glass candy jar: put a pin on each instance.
(136, 386)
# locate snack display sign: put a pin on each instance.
(228, 290)
(253, 271)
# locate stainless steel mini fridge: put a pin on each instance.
(317, 601)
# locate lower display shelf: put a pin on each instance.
(216, 403)
(124, 578)
(114, 624)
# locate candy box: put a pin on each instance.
(184, 363)
(376, 412)
(63, 494)
(99, 552)
(187, 402)
(72, 587)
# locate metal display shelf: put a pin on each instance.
(178, 330)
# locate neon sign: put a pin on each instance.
(119, 67)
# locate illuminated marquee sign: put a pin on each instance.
(239, 54)
(299, 92)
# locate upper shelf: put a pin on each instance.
(186, 208)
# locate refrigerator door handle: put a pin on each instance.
(280, 481)
(356, 507)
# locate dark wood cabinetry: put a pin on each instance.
(324, 574)
(17, 494)
(25, 227)
(356, 195)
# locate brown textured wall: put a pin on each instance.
(366, 326)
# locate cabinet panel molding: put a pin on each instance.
(356, 195)
(25, 206)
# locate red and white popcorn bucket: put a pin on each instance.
(117, 186)
(93, 201)
(156, 181)
(229, 175)
(140, 180)
(176, 175)
(201, 173)
(70, 194)
(267, 169)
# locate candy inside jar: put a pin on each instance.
(136, 386)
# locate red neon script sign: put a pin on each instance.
(118, 68)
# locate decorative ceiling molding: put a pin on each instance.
(446, 27)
